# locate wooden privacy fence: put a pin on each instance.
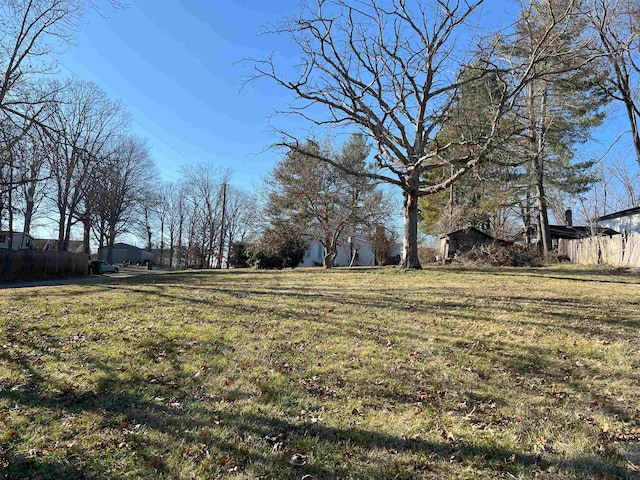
(32, 265)
(617, 250)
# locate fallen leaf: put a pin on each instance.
(298, 460)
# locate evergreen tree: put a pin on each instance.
(556, 111)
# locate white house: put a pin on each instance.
(20, 241)
(624, 221)
(359, 249)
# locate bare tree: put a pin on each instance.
(147, 216)
(164, 213)
(177, 207)
(31, 32)
(393, 71)
(204, 187)
(242, 217)
(124, 176)
(615, 23)
(84, 122)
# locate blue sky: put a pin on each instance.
(178, 66)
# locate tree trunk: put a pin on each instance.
(633, 121)
(171, 246)
(161, 240)
(543, 214)
(61, 230)
(28, 213)
(111, 240)
(86, 238)
(179, 246)
(410, 260)
(10, 200)
(328, 259)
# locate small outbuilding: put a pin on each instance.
(125, 253)
(465, 239)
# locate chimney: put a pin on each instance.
(568, 218)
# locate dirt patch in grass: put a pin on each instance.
(365, 373)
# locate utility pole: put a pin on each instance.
(224, 212)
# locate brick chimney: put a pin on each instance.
(568, 218)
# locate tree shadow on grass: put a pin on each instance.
(615, 276)
(243, 438)
(203, 428)
(21, 467)
(262, 445)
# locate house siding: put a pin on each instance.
(366, 256)
(21, 241)
(623, 224)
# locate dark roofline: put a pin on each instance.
(575, 231)
(621, 213)
(125, 245)
(467, 230)
(4, 232)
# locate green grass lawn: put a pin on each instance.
(313, 374)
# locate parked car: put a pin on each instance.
(100, 266)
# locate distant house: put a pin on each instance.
(360, 250)
(19, 241)
(125, 253)
(463, 240)
(624, 221)
(51, 244)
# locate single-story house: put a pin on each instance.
(51, 244)
(624, 221)
(19, 241)
(463, 240)
(125, 253)
(359, 249)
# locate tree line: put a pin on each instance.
(68, 157)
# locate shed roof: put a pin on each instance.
(466, 231)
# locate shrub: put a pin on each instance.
(278, 248)
(238, 255)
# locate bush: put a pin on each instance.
(427, 254)
(292, 252)
(238, 255)
(277, 249)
